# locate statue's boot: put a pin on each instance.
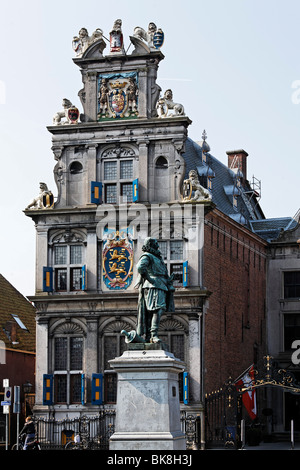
(154, 326)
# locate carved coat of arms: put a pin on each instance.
(73, 115)
(117, 261)
(117, 99)
(118, 95)
(187, 190)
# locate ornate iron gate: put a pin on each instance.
(223, 407)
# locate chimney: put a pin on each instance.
(237, 159)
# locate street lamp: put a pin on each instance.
(27, 387)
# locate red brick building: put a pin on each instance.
(234, 269)
(17, 350)
(235, 273)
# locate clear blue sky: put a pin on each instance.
(232, 64)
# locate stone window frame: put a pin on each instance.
(67, 238)
(170, 260)
(117, 154)
(68, 329)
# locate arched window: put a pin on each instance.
(76, 168)
(161, 180)
(161, 163)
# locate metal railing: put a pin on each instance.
(93, 431)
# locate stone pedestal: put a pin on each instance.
(148, 408)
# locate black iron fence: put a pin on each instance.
(222, 410)
(90, 432)
(93, 432)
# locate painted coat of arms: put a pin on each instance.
(118, 95)
(117, 261)
(117, 99)
(187, 190)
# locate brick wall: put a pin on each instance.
(235, 273)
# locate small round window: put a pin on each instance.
(75, 168)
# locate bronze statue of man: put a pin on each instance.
(155, 291)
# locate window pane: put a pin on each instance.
(76, 346)
(291, 329)
(76, 279)
(126, 169)
(110, 388)
(60, 353)
(75, 388)
(126, 190)
(76, 254)
(110, 170)
(60, 255)
(292, 284)
(61, 388)
(111, 193)
(61, 279)
(110, 349)
(163, 249)
(176, 269)
(177, 346)
(176, 249)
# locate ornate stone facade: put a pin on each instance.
(119, 172)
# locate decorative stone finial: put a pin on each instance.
(204, 144)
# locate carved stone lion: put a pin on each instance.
(200, 193)
(70, 119)
(37, 202)
(165, 104)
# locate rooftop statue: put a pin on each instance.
(147, 41)
(155, 291)
(69, 112)
(193, 191)
(81, 42)
(166, 104)
(116, 38)
(44, 200)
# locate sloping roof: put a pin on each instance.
(224, 185)
(270, 229)
(17, 318)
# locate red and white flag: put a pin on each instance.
(249, 397)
